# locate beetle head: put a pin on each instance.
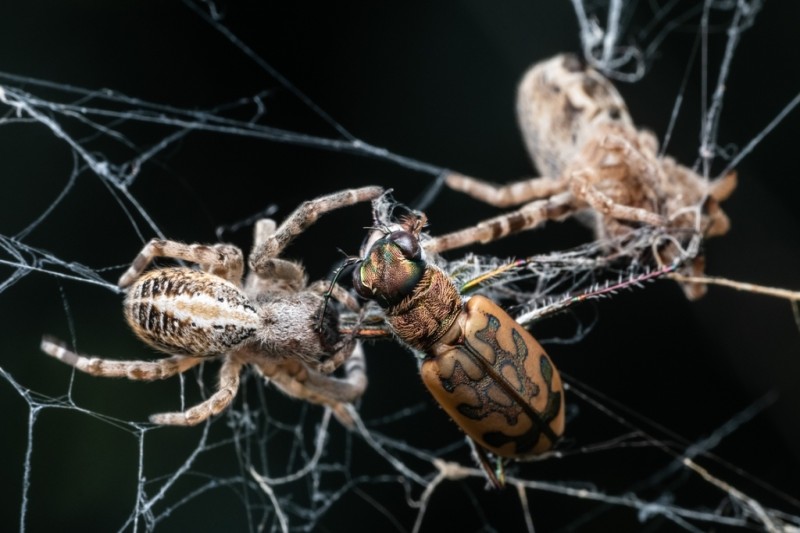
(391, 268)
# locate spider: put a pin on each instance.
(273, 320)
(596, 164)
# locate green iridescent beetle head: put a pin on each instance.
(391, 269)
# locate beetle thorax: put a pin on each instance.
(428, 313)
(185, 311)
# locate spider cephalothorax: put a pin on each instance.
(270, 320)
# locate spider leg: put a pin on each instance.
(516, 193)
(606, 206)
(721, 188)
(340, 356)
(527, 217)
(304, 216)
(262, 229)
(272, 268)
(276, 269)
(718, 190)
(644, 167)
(369, 323)
(137, 370)
(297, 380)
(215, 404)
(223, 260)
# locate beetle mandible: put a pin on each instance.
(485, 370)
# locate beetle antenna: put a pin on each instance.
(349, 261)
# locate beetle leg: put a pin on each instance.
(495, 476)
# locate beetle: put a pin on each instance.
(484, 369)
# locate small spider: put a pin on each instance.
(594, 161)
(273, 321)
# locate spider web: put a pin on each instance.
(680, 414)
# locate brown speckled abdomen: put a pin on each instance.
(188, 312)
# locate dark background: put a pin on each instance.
(436, 83)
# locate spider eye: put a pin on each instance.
(408, 244)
